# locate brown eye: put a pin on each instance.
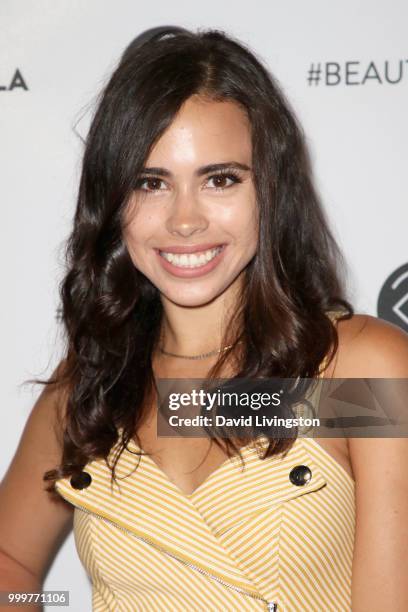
(149, 184)
(220, 181)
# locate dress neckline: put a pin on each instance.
(228, 461)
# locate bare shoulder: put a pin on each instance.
(370, 347)
(373, 348)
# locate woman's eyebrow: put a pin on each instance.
(200, 171)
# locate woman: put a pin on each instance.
(200, 250)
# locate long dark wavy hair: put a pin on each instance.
(112, 313)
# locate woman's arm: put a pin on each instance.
(33, 525)
(380, 467)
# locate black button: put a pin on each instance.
(81, 481)
(300, 475)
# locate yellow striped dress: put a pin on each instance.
(252, 539)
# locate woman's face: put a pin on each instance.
(191, 223)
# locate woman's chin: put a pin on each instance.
(190, 299)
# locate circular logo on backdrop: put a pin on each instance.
(393, 298)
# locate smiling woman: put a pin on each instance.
(200, 249)
(187, 218)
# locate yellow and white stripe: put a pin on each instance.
(244, 539)
(252, 529)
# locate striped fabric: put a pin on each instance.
(244, 540)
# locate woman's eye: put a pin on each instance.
(220, 181)
(149, 184)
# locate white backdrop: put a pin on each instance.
(65, 50)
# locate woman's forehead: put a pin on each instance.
(204, 130)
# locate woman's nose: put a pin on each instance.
(186, 216)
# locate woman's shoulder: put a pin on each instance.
(369, 347)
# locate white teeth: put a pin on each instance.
(192, 260)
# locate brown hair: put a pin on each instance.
(112, 313)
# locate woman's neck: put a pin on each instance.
(194, 330)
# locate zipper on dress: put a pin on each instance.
(270, 605)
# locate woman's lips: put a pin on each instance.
(190, 248)
(192, 272)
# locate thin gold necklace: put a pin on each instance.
(202, 356)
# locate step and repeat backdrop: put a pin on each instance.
(343, 67)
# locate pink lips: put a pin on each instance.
(190, 272)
